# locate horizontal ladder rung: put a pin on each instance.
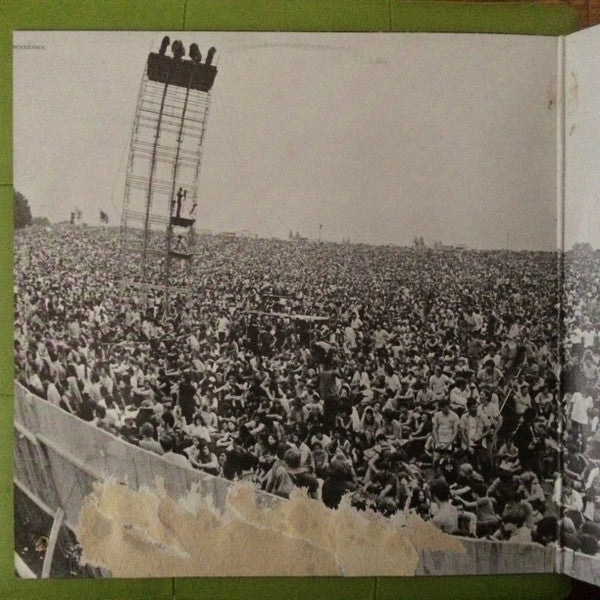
(152, 218)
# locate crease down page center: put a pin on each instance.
(288, 304)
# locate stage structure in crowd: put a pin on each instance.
(160, 201)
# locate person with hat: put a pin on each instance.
(299, 474)
(504, 488)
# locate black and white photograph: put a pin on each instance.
(580, 335)
(289, 304)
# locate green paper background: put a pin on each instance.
(265, 15)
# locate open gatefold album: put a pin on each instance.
(306, 304)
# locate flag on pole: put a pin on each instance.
(103, 217)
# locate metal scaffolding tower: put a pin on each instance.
(160, 200)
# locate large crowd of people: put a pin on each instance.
(579, 497)
(409, 379)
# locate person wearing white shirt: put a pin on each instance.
(439, 383)
(591, 476)
(80, 370)
(222, 325)
(580, 405)
(522, 399)
(477, 320)
(349, 337)
(35, 383)
(566, 497)
(588, 336)
(445, 429)
(514, 331)
(576, 339)
(52, 394)
(459, 395)
(356, 323)
(490, 409)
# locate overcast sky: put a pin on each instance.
(378, 137)
(582, 164)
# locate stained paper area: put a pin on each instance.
(145, 533)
